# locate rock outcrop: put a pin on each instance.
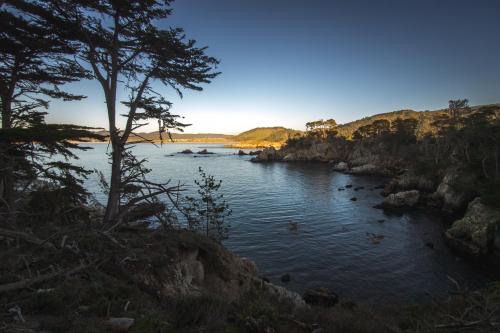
(410, 181)
(367, 169)
(204, 152)
(268, 155)
(456, 189)
(406, 199)
(321, 297)
(192, 266)
(341, 167)
(477, 232)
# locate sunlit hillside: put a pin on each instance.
(264, 136)
(426, 119)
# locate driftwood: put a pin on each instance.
(45, 277)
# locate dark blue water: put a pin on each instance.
(330, 247)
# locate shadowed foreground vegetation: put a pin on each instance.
(74, 278)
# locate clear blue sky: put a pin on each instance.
(286, 62)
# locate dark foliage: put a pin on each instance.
(124, 48)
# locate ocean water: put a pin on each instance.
(333, 245)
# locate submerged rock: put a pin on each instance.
(405, 199)
(286, 278)
(375, 238)
(293, 226)
(321, 297)
(477, 232)
(186, 151)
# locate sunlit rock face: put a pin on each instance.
(366, 169)
(410, 181)
(477, 232)
(268, 155)
(456, 189)
(341, 167)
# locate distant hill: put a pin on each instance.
(185, 137)
(257, 137)
(265, 136)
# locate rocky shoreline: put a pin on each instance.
(476, 231)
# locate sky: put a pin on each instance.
(287, 62)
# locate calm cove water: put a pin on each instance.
(332, 247)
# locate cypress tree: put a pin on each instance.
(35, 63)
(126, 51)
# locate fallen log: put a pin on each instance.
(45, 277)
(26, 237)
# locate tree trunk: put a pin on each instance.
(113, 206)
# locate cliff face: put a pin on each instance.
(360, 157)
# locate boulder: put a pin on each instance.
(366, 169)
(289, 157)
(404, 199)
(410, 181)
(320, 297)
(456, 189)
(186, 151)
(204, 152)
(254, 153)
(283, 294)
(241, 153)
(268, 155)
(477, 232)
(341, 167)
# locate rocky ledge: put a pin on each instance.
(406, 199)
(477, 233)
